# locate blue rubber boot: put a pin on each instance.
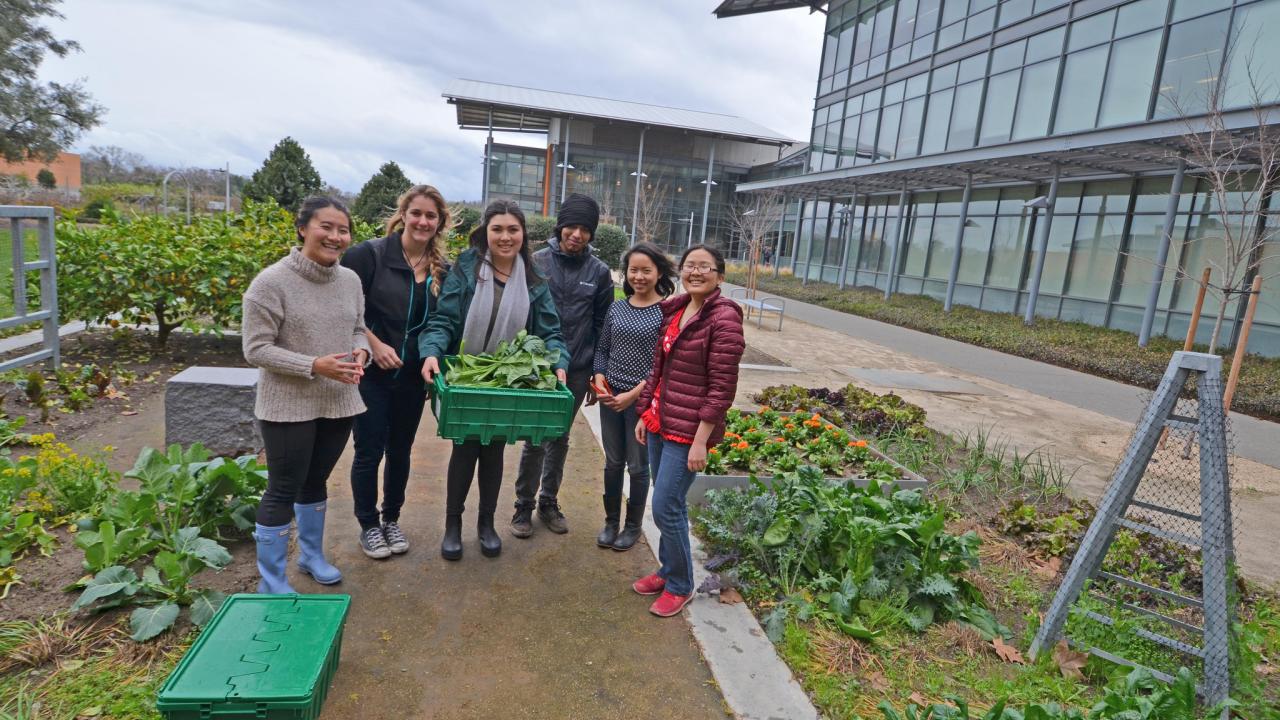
(310, 519)
(273, 551)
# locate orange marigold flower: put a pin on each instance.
(713, 451)
(816, 416)
(852, 444)
(790, 426)
(764, 408)
(860, 443)
(830, 426)
(742, 445)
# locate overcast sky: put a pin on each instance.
(202, 82)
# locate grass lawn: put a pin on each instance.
(1099, 351)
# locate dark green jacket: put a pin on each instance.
(444, 329)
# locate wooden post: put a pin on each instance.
(1195, 312)
(1243, 345)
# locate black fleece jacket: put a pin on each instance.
(390, 294)
(582, 288)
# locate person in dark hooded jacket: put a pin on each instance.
(582, 288)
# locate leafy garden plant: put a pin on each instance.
(769, 442)
(522, 362)
(844, 554)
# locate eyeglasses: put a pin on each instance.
(703, 268)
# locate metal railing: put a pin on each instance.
(19, 219)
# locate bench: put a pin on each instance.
(760, 304)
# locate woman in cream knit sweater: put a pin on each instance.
(304, 329)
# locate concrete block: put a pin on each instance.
(213, 406)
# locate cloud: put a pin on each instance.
(200, 83)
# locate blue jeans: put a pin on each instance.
(669, 465)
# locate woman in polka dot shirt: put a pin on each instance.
(624, 356)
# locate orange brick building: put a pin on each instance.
(65, 168)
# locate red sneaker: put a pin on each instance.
(649, 584)
(669, 604)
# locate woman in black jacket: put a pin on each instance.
(401, 274)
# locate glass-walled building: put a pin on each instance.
(666, 175)
(1038, 143)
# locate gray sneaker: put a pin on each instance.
(550, 515)
(395, 537)
(374, 544)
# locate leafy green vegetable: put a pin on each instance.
(521, 362)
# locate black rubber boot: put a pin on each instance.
(490, 543)
(612, 509)
(451, 546)
(631, 529)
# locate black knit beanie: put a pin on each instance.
(578, 209)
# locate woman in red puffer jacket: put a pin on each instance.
(682, 410)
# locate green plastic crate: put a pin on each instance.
(267, 657)
(486, 414)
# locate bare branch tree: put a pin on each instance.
(1241, 166)
(753, 219)
(652, 213)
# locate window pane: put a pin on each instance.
(862, 47)
(1035, 97)
(941, 243)
(945, 76)
(909, 134)
(867, 137)
(1078, 102)
(918, 249)
(849, 143)
(980, 24)
(906, 19)
(1008, 56)
(846, 47)
(888, 132)
(1006, 250)
(974, 251)
(917, 85)
(1111, 196)
(953, 10)
(950, 35)
(893, 93)
(1183, 9)
(1144, 238)
(997, 117)
(1091, 30)
(1057, 253)
(1191, 65)
(1139, 16)
(1130, 76)
(972, 68)
(927, 19)
(1253, 67)
(1011, 11)
(1045, 45)
(884, 26)
(964, 116)
(935, 129)
(1094, 260)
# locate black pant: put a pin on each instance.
(387, 428)
(300, 456)
(462, 465)
(622, 451)
(543, 464)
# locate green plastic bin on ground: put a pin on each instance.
(267, 657)
(487, 414)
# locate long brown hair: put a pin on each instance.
(435, 246)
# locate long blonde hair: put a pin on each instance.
(435, 246)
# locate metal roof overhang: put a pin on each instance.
(1149, 148)
(732, 8)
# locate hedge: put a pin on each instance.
(1098, 351)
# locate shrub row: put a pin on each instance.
(1099, 351)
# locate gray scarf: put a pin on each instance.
(513, 311)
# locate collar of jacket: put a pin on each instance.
(393, 252)
(554, 244)
(673, 305)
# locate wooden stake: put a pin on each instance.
(1195, 312)
(1243, 345)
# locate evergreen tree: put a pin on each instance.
(46, 179)
(37, 120)
(377, 199)
(286, 176)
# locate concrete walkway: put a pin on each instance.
(1083, 421)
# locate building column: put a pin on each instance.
(488, 159)
(845, 222)
(795, 244)
(955, 260)
(1162, 254)
(635, 204)
(782, 225)
(564, 175)
(808, 258)
(1042, 246)
(706, 197)
(897, 243)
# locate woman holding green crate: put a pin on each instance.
(491, 293)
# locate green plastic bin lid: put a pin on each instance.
(259, 648)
